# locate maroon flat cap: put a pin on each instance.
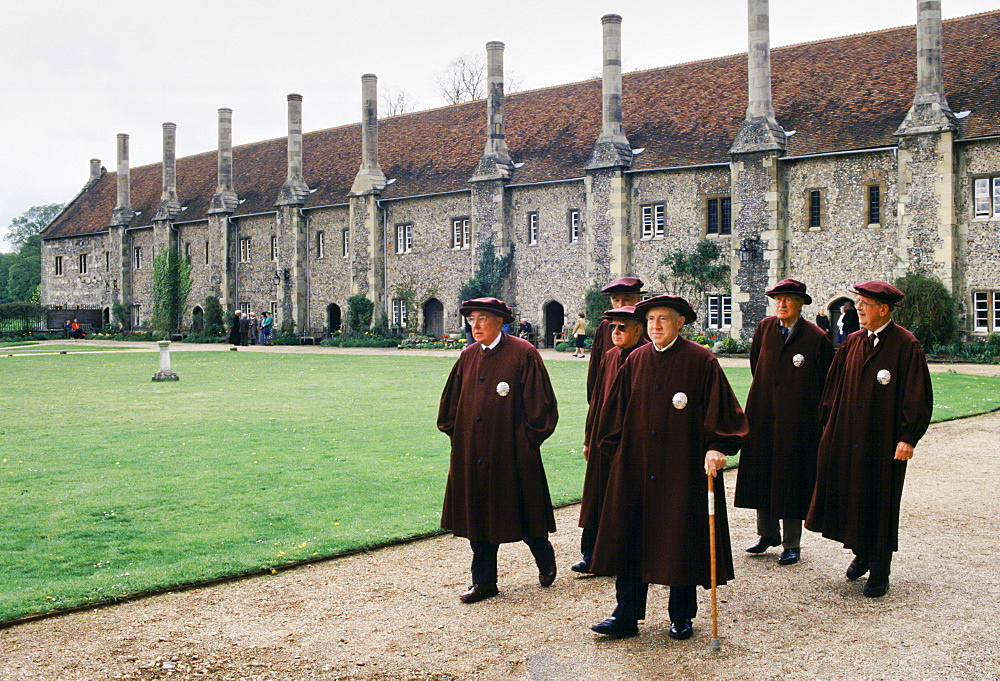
(676, 302)
(494, 305)
(623, 285)
(624, 312)
(879, 290)
(790, 286)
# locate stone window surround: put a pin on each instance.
(807, 221)
(720, 308)
(58, 265)
(207, 252)
(82, 262)
(706, 201)
(398, 313)
(244, 249)
(866, 199)
(657, 213)
(575, 225)
(985, 311)
(137, 257)
(992, 196)
(460, 232)
(532, 220)
(274, 247)
(345, 241)
(404, 237)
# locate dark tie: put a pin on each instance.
(873, 339)
(784, 332)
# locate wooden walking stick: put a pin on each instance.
(711, 546)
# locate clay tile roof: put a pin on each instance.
(838, 94)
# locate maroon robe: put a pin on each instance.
(598, 463)
(654, 524)
(600, 345)
(858, 481)
(497, 491)
(778, 463)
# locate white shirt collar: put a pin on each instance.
(496, 341)
(880, 329)
(792, 325)
(669, 345)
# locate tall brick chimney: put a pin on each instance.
(612, 148)
(122, 214)
(295, 189)
(930, 111)
(225, 200)
(495, 163)
(169, 206)
(370, 178)
(760, 130)
(96, 171)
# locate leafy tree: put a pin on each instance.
(695, 272)
(24, 270)
(359, 314)
(408, 292)
(5, 260)
(120, 314)
(930, 311)
(171, 286)
(597, 305)
(31, 222)
(214, 324)
(491, 274)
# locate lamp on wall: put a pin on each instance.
(278, 276)
(751, 248)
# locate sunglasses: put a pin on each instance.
(618, 327)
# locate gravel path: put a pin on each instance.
(395, 614)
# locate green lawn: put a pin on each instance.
(112, 484)
(31, 349)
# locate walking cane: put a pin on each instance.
(711, 545)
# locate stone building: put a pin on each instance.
(834, 162)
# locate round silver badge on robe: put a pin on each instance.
(680, 400)
(798, 360)
(883, 377)
(503, 389)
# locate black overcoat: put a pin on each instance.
(778, 462)
(497, 491)
(874, 398)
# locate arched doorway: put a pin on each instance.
(197, 320)
(434, 318)
(106, 316)
(555, 319)
(332, 318)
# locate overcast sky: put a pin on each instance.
(75, 73)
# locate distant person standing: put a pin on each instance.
(823, 322)
(253, 330)
(789, 359)
(244, 328)
(266, 328)
(497, 408)
(848, 322)
(234, 328)
(580, 335)
(877, 405)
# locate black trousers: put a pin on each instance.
(879, 561)
(631, 593)
(484, 558)
(587, 542)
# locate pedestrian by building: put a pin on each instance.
(234, 328)
(789, 359)
(580, 336)
(244, 328)
(876, 406)
(626, 335)
(671, 418)
(497, 408)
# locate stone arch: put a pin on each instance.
(553, 321)
(197, 319)
(434, 318)
(333, 318)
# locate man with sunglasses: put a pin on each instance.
(876, 405)
(622, 292)
(789, 358)
(626, 335)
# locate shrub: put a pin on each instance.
(929, 312)
(214, 325)
(359, 314)
(286, 334)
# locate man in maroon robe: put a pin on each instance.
(624, 291)
(498, 407)
(789, 359)
(626, 335)
(671, 418)
(876, 405)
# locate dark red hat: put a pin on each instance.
(676, 302)
(879, 290)
(494, 305)
(623, 285)
(790, 286)
(624, 312)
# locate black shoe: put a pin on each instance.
(581, 567)
(478, 592)
(857, 568)
(764, 543)
(616, 628)
(876, 587)
(789, 557)
(680, 630)
(547, 574)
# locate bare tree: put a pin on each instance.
(463, 80)
(394, 102)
